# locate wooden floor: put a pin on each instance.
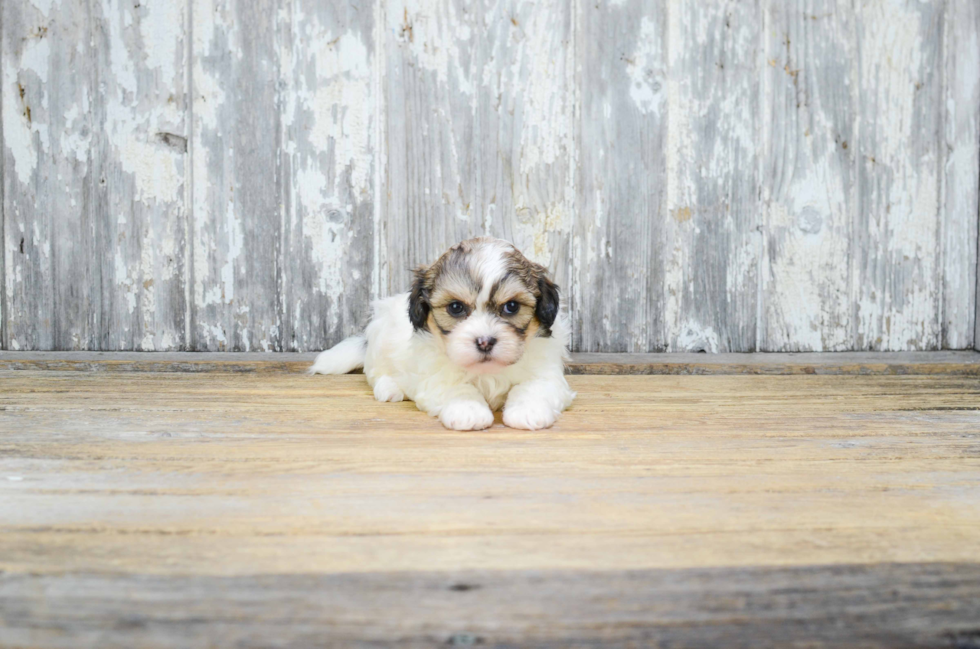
(206, 509)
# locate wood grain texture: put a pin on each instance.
(961, 203)
(480, 129)
(143, 150)
(53, 282)
(187, 510)
(237, 190)
(715, 607)
(3, 183)
(896, 263)
(951, 363)
(713, 220)
(329, 144)
(728, 176)
(619, 243)
(94, 147)
(809, 189)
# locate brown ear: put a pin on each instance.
(418, 300)
(547, 307)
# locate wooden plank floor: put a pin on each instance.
(960, 363)
(205, 509)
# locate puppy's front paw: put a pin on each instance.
(466, 415)
(529, 416)
(385, 389)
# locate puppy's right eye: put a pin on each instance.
(455, 309)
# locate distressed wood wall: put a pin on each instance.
(725, 176)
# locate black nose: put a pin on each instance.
(485, 344)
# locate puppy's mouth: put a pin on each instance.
(487, 364)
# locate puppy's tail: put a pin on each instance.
(341, 358)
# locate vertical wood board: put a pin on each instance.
(329, 143)
(51, 179)
(3, 182)
(713, 236)
(961, 198)
(808, 176)
(619, 243)
(93, 151)
(896, 269)
(143, 152)
(480, 130)
(235, 149)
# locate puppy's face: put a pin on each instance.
(485, 300)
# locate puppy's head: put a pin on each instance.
(485, 300)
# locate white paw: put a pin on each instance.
(466, 415)
(529, 416)
(385, 389)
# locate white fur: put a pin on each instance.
(462, 351)
(490, 267)
(385, 389)
(402, 363)
(342, 358)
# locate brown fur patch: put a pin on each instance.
(528, 271)
(532, 328)
(533, 277)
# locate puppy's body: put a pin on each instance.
(479, 331)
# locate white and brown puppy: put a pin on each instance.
(480, 330)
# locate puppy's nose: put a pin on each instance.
(485, 344)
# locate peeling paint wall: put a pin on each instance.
(721, 176)
(94, 116)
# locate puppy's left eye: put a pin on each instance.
(512, 307)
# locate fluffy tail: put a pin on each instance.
(341, 358)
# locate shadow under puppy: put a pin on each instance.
(480, 330)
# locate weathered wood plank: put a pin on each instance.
(237, 191)
(961, 199)
(480, 129)
(713, 228)
(619, 241)
(143, 152)
(896, 268)
(3, 183)
(959, 363)
(963, 363)
(330, 119)
(54, 190)
(94, 169)
(186, 510)
(645, 203)
(809, 188)
(713, 471)
(927, 605)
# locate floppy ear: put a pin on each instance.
(547, 308)
(418, 300)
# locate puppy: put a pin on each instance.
(480, 329)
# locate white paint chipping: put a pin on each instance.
(872, 247)
(901, 186)
(330, 113)
(341, 104)
(432, 28)
(234, 230)
(645, 69)
(961, 169)
(30, 72)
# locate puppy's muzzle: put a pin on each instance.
(485, 344)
